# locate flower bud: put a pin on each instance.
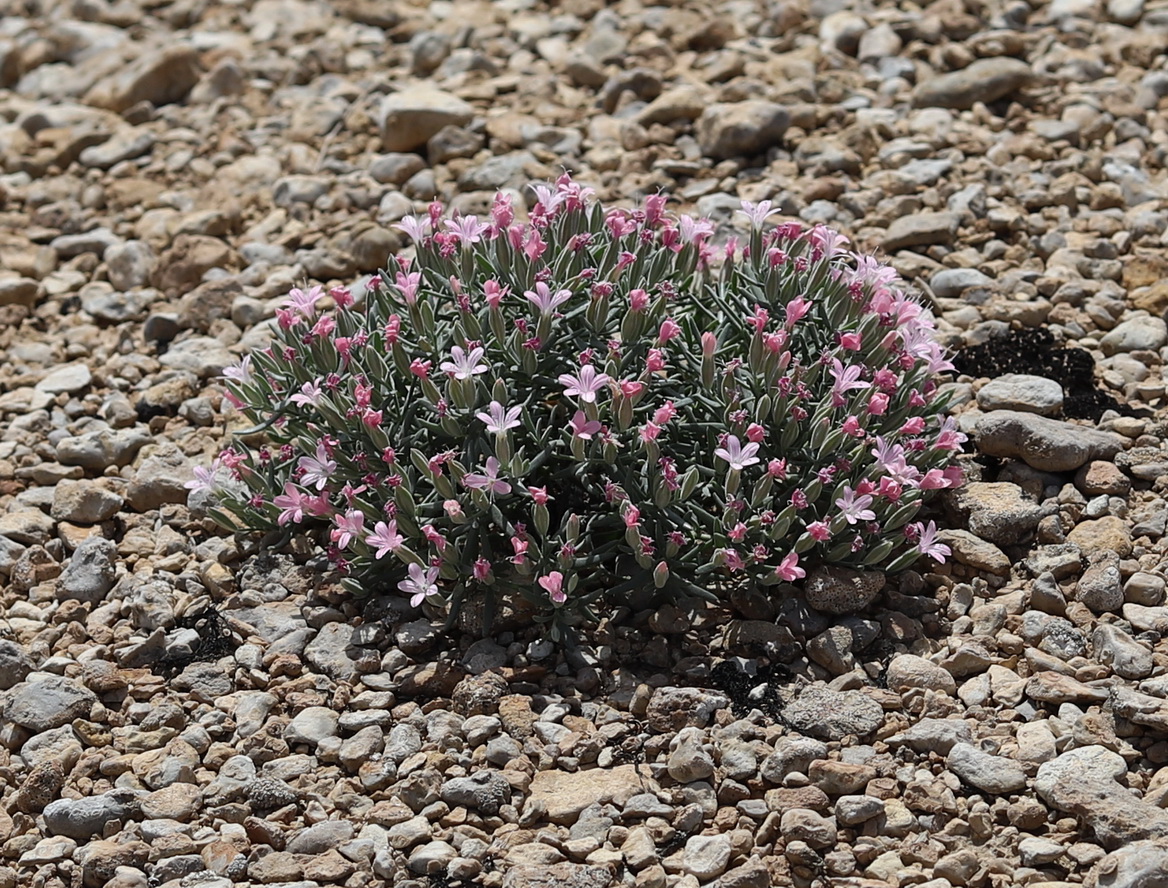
(660, 574)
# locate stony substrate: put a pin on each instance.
(180, 711)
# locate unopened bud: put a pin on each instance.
(660, 574)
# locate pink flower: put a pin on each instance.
(709, 344)
(738, 532)
(303, 303)
(582, 427)
(372, 418)
(850, 341)
(755, 432)
(482, 569)
(655, 360)
(669, 329)
(420, 368)
(342, 297)
(638, 301)
(349, 525)
(889, 489)
(463, 365)
(758, 320)
(499, 419)
(393, 329)
(419, 584)
(774, 342)
(204, 477)
(650, 431)
(734, 562)
(738, 456)
(468, 229)
(540, 495)
(796, 309)
(489, 481)
(758, 212)
(416, 229)
(777, 469)
(820, 531)
(878, 404)
(950, 437)
(545, 300)
(585, 384)
(317, 469)
(934, 479)
(324, 326)
(914, 426)
(494, 293)
(855, 508)
(631, 515)
(927, 543)
(851, 427)
(846, 379)
(519, 547)
(789, 569)
(309, 394)
(434, 538)
(385, 538)
(630, 388)
(664, 413)
(407, 285)
(534, 246)
(553, 584)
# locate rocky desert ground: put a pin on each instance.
(182, 711)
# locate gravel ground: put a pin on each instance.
(179, 711)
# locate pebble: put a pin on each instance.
(985, 80)
(408, 119)
(1019, 392)
(832, 715)
(1049, 445)
(989, 773)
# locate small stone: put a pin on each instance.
(989, 773)
(83, 502)
(15, 664)
(1048, 445)
(432, 857)
(49, 703)
(312, 725)
(1126, 656)
(985, 80)
(741, 129)
(84, 818)
(158, 76)
(485, 791)
(565, 794)
(71, 378)
(921, 230)
(833, 715)
(800, 824)
(90, 573)
(689, 761)
(409, 118)
(706, 857)
(908, 671)
(951, 282)
(841, 590)
(1028, 394)
(1136, 334)
(672, 709)
(1107, 534)
(1102, 478)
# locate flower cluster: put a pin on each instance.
(595, 402)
